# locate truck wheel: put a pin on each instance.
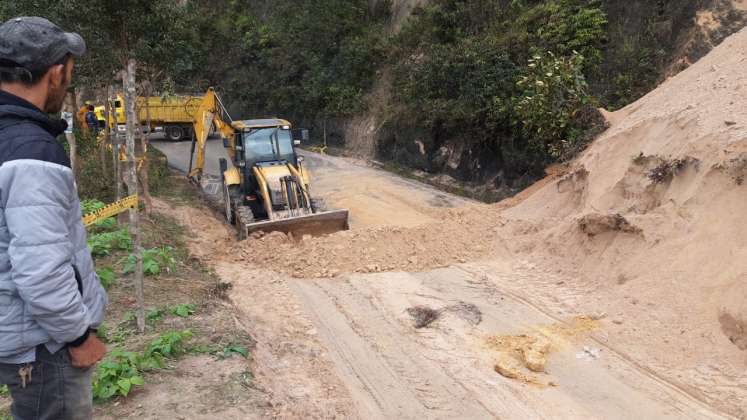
(174, 133)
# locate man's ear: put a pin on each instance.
(57, 74)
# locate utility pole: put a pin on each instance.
(132, 188)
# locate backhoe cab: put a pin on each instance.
(265, 185)
(267, 188)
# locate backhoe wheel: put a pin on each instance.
(174, 133)
(244, 218)
(318, 205)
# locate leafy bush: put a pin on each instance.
(4, 391)
(155, 260)
(116, 375)
(102, 244)
(554, 90)
(106, 276)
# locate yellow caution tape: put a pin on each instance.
(110, 210)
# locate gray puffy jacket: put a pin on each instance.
(49, 291)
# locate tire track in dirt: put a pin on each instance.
(396, 371)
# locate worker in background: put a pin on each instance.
(81, 117)
(91, 121)
(51, 300)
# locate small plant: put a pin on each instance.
(155, 260)
(106, 276)
(184, 310)
(168, 345)
(102, 333)
(116, 375)
(128, 317)
(4, 392)
(668, 169)
(154, 315)
(102, 244)
(232, 349)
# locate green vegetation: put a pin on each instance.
(102, 244)
(504, 79)
(116, 375)
(183, 310)
(232, 349)
(106, 276)
(121, 370)
(155, 260)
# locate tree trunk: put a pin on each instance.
(147, 200)
(131, 101)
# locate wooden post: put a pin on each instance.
(130, 103)
(145, 168)
(115, 146)
(107, 130)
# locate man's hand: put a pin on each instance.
(87, 354)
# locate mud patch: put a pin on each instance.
(521, 356)
(594, 224)
(734, 328)
(424, 316)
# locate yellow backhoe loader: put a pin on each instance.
(266, 187)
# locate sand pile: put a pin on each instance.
(655, 211)
(461, 235)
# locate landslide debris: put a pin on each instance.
(595, 224)
(465, 234)
(522, 352)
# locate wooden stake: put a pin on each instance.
(115, 146)
(132, 122)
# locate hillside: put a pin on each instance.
(642, 44)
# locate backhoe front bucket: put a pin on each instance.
(316, 224)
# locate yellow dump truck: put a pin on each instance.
(172, 115)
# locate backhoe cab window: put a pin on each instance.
(269, 144)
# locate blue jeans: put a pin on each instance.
(55, 389)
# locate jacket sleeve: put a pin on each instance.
(37, 202)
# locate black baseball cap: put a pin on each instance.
(32, 44)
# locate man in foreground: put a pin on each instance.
(50, 297)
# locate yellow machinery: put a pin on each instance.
(266, 187)
(173, 115)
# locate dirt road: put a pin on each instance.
(347, 346)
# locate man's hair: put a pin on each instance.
(22, 75)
